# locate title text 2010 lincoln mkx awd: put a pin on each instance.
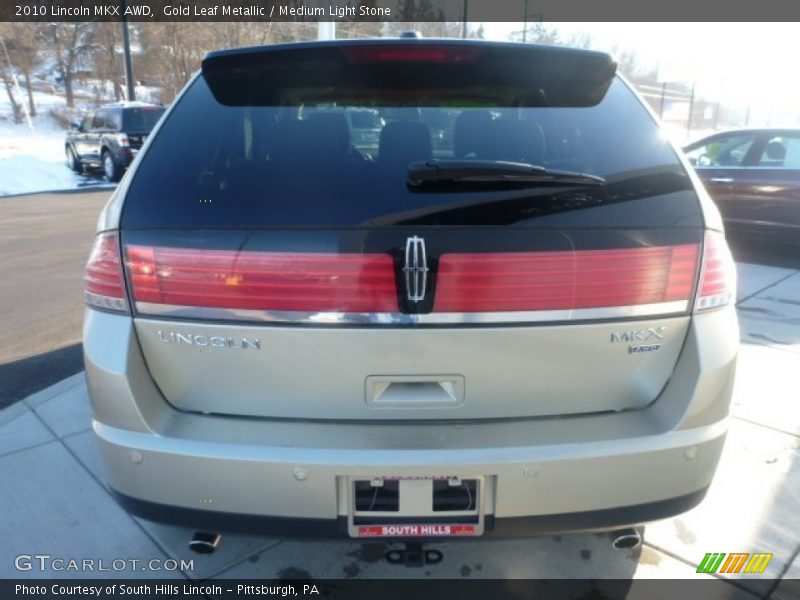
(509, 312)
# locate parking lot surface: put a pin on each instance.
(55, 500)
(44, 242)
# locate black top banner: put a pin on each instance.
(400, 10)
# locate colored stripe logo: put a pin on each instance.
(734, 563)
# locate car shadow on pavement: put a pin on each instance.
(23, 377)
(90, 178)
(584, 557)
(762, 251)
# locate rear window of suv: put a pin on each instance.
(247, 146)
(141, 120)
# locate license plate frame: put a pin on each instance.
(415, 517)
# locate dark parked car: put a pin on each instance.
(754, 177)
(110, 137)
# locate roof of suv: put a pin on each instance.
(254, 50)
(568, 77)
(130, 104)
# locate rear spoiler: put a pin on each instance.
(504, 74)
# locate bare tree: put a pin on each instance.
(16, 107)
(359, 28)
(424, 17)
(629, 64)
(105, 49)
(539, 33)
(580, 39)
(22, 45)
(413, 11)
(172, 52)
(66, 42)
(236, 35)
(6, 73)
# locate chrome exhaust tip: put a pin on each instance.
(626, 539)
(204, 542)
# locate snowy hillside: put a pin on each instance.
(32, 160)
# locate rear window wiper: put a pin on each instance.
(491, 174)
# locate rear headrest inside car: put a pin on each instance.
(775, 151)
(329, 133)
(405, 142)
(512, 140)
(318, 136)
(469, 129)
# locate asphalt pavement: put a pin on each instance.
(45, 240)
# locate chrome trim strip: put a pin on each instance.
(105, 302)
(338, 318)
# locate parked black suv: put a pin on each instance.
(110, 137)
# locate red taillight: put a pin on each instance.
(104, 287)
(718, 274)
(527, 281)
(431, 53)
(279, 281)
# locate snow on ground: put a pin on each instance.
(32, 160)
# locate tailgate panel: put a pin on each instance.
(328, 373)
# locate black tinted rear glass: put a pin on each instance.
(338, 157)
(141, 120)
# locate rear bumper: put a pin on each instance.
(593, 471)
(560, 487)
(509, 527)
